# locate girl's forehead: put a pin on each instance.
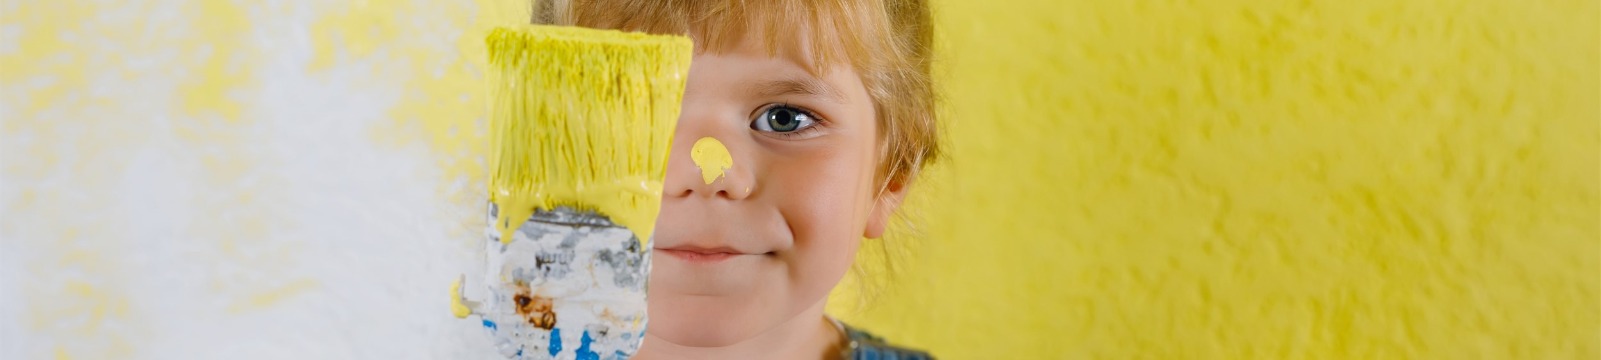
(755, 73)
(797, 51)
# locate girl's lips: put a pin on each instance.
(696, 256)
(702, 255)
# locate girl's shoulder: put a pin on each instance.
(862, 345)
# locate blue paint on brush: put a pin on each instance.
(555, 341)
(584, 353)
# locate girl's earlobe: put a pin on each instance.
(884, 206)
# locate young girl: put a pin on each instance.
(826, 111)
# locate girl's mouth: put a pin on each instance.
(702, 255)
(699, 257)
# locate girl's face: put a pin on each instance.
(768, 239)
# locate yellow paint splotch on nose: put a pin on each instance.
(711, 157)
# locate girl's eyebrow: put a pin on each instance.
(806, 86)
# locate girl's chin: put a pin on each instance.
(706, 321)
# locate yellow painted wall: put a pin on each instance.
(1241, 179)
(1222, 179)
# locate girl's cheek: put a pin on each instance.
(825, 195)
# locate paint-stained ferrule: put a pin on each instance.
(570, 285)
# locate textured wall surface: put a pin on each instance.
(216, 179)
(1127, 179)
(1239, 179)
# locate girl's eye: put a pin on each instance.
(783, 119)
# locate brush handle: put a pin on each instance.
(570, 285)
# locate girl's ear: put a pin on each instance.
(884, 207)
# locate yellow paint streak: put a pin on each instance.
(44, 52)
(457, 308)
(272, 297)
(444, 105)
(356, 42)
(711, 157)
(585, 122)
(220, 24)
(79, 303)
(356, 30)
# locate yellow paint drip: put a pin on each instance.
(457, 308)
(582, 118)
(711, 157)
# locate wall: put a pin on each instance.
(1239, 179)
(1127, 179)
(226, 179)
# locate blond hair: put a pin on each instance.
(887, 42)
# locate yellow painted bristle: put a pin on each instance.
(582, 118)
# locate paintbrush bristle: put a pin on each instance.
(582, 118)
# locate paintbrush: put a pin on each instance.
(581, 124)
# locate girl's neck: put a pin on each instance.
(808, 335)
